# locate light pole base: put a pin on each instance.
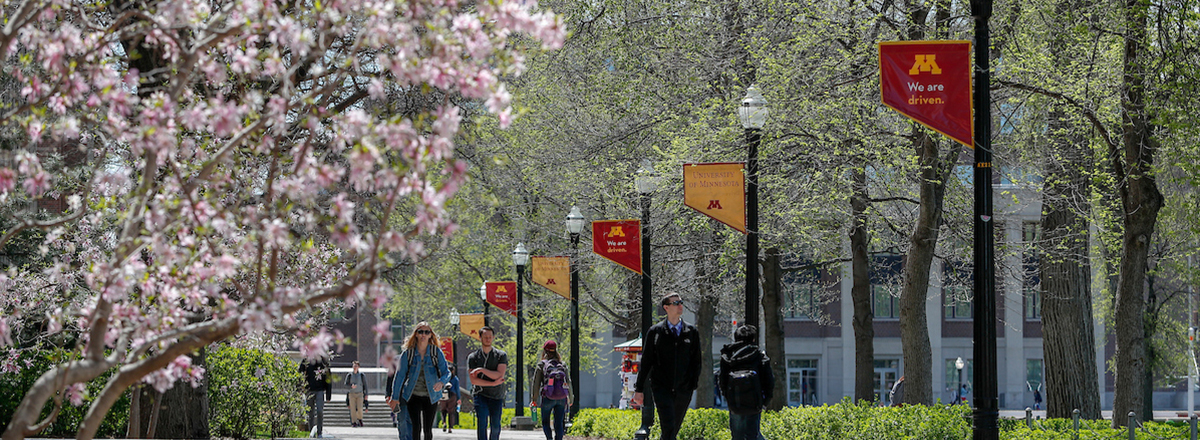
(642, 434)
(523, 423)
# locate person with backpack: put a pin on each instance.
(420, 376)
(551, 388)
(746, 381)
(357, 395)
(317, 391)
(448, 405)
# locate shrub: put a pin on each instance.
(253, 391)
(859, 422)
(14, 385)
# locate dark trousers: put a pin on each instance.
(487, 417)
(420, 410)
(672, 407)
(745, 426)
(316, 410)
(556, 411)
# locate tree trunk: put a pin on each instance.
(914, 328)
(773, 326)
(134, 425)
(1140, 202)
(860, 292)
(182, 411)
(1065, 274)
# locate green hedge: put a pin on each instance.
(252, 391)
(14, 385)
(859, 422)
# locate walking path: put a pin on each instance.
(344, 433)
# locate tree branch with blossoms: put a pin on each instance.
(244, 168)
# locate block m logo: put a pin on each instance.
(925, 63)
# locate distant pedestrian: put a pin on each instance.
(357, 395)
(316, 384)
(897, 394)
(1037, 398)
(670, 366)
(962, 394)
(448, 405)
(420, 376)
(486, 368)
(747, 382)
(551, 388)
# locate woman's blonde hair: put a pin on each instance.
(411, 342)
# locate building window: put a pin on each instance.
(802, 295)
(956, 291)
(1031, 234)
(802, 382)
(885, 301)
(887, 371)
(1034, 374)
(885, 287)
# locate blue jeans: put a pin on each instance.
(557, 408)
(487, 412)
(745, 426)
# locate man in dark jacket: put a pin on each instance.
(671, 364)
(317, 382)
(747, 382)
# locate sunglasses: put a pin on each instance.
(678, 302)
(424, 332)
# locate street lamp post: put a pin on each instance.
(454, 321)
(483, 297)
(959, 364)
(646, 184)
(753, 114)
(987, 402)
(520, 259)
(575, 222)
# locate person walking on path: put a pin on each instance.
(671, 364)
(448, 405)
(486, 368)
(357, 382)
(550, 388)
(747, 382)
(421, 373)
(1037, 398)
(316, 384)
(896, 396)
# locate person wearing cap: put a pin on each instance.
(671, 365)
(541, 390)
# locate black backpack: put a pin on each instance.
(744, 392)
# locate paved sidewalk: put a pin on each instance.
(346, 433)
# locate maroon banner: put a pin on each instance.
(619, 241)
(930, 82)
(503, 294)
(447, 346)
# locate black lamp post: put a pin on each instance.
(520, 259)
(454, 321)
(575, 222)
(753, 114)
(483, 297)
(646, 184)
(959, 364)
(987, 404)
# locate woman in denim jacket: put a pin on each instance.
(421, 373)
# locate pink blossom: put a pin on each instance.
(37, 184)
(76, 393)
(8, 180)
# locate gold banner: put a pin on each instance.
(470, 323)
(717, 190)
(553, 273)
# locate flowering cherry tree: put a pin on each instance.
(238, 163)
